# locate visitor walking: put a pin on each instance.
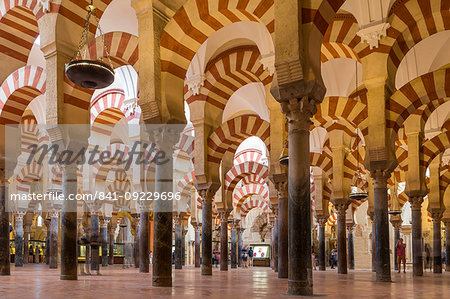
(250, 257)
(334, 254)
(401, 256)
(428, 257)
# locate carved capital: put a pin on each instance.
(372, 34)
(397, 224)
(350, 227)
(207, 195)
(282, 188)
(46, 5)
(322, 220)
(447, 224)
(416, 203)
(341, 205)
(195, 82)
(380, 178)
(299, 112)
(436, 215)
(19, 215)
(104, 222)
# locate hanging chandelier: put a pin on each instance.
(90, 74)
(284, 157)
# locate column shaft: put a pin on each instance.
(374, 247)
(283, 235)
(416, 234)
(239, 256)
(322, 265)
(104, 238)
(95, 241)
(178, 258)
(447, 246)
(233, 248)
(351, 252)
(197, 247)
(437, 258)
(4, 228)
(383, 262)
(206, 234)
(144, 237)
(54, 241)
(111, 247)
(275, 245)
(341, 240)
(224, 245)
(18, 241)
(396, 238)
(26, 253)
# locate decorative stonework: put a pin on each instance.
(46, 5)
(195, 82)
(373, 34)
(268, 62)
(416, 203)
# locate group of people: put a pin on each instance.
(247, 257)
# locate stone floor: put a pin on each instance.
(37, 281)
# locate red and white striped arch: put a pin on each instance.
(109, 99)
(196, 20)
(185, 185)
(228, 72)
(444, 179)
(253, 179)
(123, 49)
(412, 22)
(238, 172)
(251, 203)
(247, 155)
(332, 220)
(247, 190)
(27, 175)
(18, 90)
(101, 171)
(429, 88)
(323, 161)
(433, 147)
(231, 133)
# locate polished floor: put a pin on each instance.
(37, 281)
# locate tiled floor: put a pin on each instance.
(37, 281)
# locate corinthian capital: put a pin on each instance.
(299, 112)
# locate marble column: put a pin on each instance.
(351, 250)
(4, 226)
(178, 241)
(183, 246)
(233, 247)
(223, 240)
(207, 197)
(437, 252)
(112, 229)
(197, 245)
(69, 261)
(104, 238)
(383, 258)
(240, 243)
(18, 238)
(447, 244)
(416, 234)
(341, 206)
(283, 229)
(47, 242)
(373, 242)
(95, 241)
(322, 220)
(136, 221)
(144, 242)
(54, 222)
(396, 222)
(165, 139)
(26, 237)
(275, 242)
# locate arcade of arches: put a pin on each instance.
(351, 93)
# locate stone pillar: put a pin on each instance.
(207, 197)
(112, 229)
(341, 206)
(4, 226)
(275, 242)
(95, 241)
(351, 251)
(54, 222)
(69, 244)
(197, 245)
(373, 246)
(144, 238)
(447, 244)
(165, 138)
(322, 220)
(283, 229)
(239, 236)
(47, 242)
(437, 258)
(18, 238)
(136, 221)
(383, 258)
(178, 241)
(223, 240)
(183, 245)
(233, 247)
(26, 237)
(416, 234)
(104, 241)
(397, 224)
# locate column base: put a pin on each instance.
(178, 267)
(384, 279)
(233, 266)
(322, 268)
(68, 277)
(206, 270)
(162, 281)
(299, 288)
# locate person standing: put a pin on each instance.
(401, 256)
(333, 258)
(250, 257)
(428, 257)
